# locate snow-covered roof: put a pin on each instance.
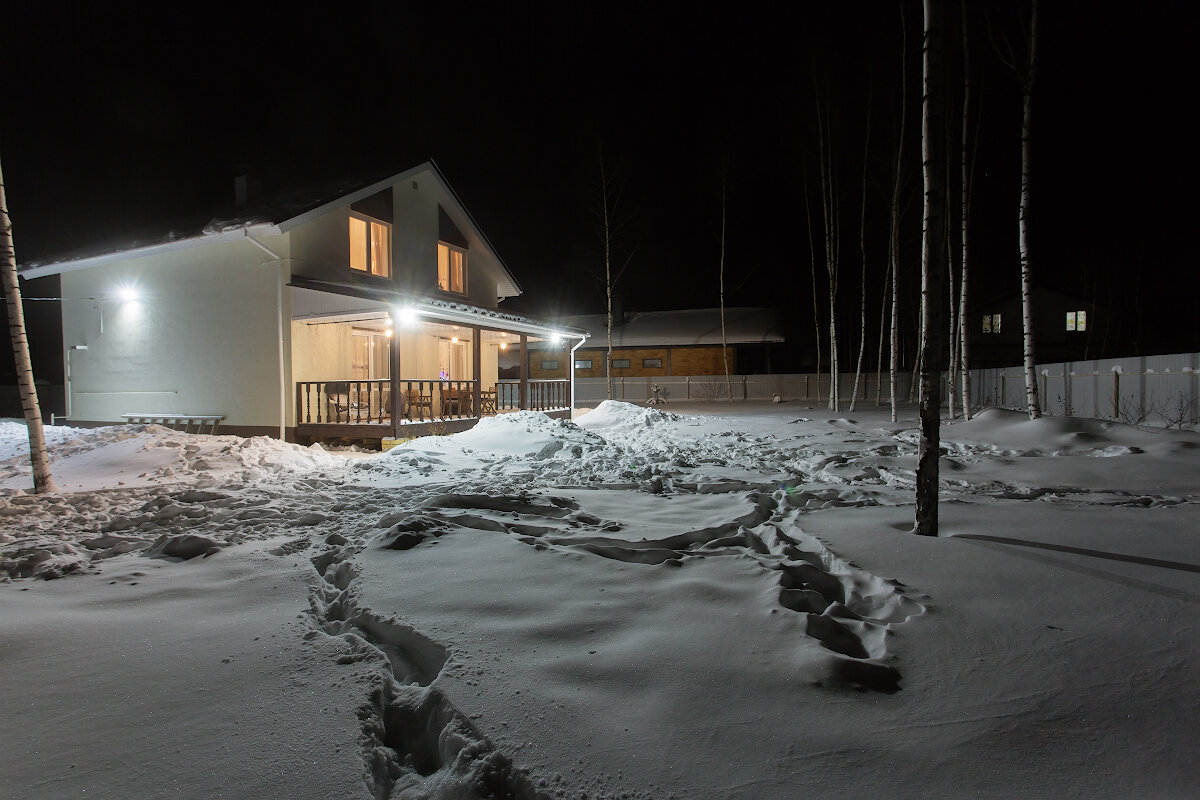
(693, 326)
(270, 217)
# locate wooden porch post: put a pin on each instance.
(524, 385)
(394, 379)
(476, 369)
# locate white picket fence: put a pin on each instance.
(1146, 390)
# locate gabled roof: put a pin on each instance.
(276, 215)
(695, 326)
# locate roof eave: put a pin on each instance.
(233, 235)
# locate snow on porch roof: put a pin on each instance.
(307, 304)
(696, 326)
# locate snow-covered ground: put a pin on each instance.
(640, 604)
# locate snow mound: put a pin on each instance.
(526, 434)
(614, 416)
(1013, 433)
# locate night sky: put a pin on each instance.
(119, 117)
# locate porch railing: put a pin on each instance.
(345, 402)
(543, 394)
(370, 402)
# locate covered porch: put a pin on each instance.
(370, 368)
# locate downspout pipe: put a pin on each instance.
(68, 376)
(582, 339)
(275, 257)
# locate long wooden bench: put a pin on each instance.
(173, 421)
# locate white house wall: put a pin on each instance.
(489, 356)
(203, 338)
(322, 352)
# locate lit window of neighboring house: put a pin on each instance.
(452, 268)
(991, 323)
(1076, 320)
(370, 246)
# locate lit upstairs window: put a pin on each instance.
(1076, 320)
(452, 268)
(991, 323)
(370, 246)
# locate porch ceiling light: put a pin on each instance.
(406, 316)
(556, 339)
(504, 345)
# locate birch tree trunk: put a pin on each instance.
(1032, 399)
(724, 343)
(933, 272)
(964, 331)
(829, 214)
(883, 309)
(812, 255)
(951, 273)
(43, 482)
(862, 251)
(894, 230)
(606, 231)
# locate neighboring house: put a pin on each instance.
(661, 343)
(1065, 329)
(365, 312)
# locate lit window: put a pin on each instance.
(991, 323)
(370, 249)
(583, 363)
(452, 268)
(1076, 320)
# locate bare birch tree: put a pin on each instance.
(831, 217)
(1026, 72)
(933, 271)
(812, 255)
(724, 341)
(43, 482)
(610, 226)
(862, 252)
(894, 228)
(967, 181)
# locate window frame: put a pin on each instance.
(453, 248)
(620, 363)
(369, 268)
(548, 364)
(652, 363)
(583, 363)
(990, 324)
(1077, 321)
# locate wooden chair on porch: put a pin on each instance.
(422, 402)
(337, 399)
(487, 402)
